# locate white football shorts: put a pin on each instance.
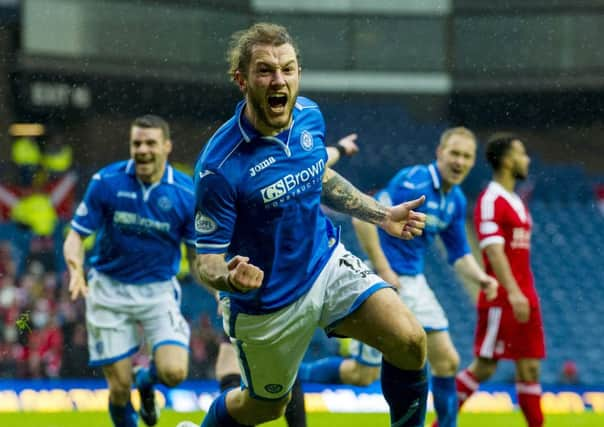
(117, 312)
(417, 295)
(271, 346)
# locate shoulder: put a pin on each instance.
(308, 110)
(182, 181)
(416, 177)
(113, 171)
(221, 145)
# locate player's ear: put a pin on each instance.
(240, 80)
(168, 145)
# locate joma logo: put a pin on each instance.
(262, 165)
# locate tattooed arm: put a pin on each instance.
(400, 220)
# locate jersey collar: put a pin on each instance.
(168, 176)
(435, 174)
(249, 132)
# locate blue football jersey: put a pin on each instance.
(139, 227)
(259, 196)
(445, 213)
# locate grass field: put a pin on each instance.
(170, 419)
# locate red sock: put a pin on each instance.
(466, 384)
(529, 400)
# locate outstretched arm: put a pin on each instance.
(346, 146)
(400, 220)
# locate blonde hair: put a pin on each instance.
(459, 130)
(242, 42)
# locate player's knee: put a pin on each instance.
(367, 376)
(445, 366)
(409, 352)
(119, 395)
(173, 375)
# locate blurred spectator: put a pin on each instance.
(75, 355)
(600, 197)
(569, 373)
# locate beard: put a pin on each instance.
(259, 106)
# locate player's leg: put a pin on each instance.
(384, 322)
(112, 339)
(364, 365)
(528, 388)
(227, 367)
(167, 333)
(270, 348)
(295, 412)
(444, 362)
(119, 380)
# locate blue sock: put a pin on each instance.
(146, 377)
(406, 393)
(325, 371)
(123, 416)
(445, 400)
(218, 416)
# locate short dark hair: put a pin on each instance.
(152, 121)
(498, 146)
(242, 43)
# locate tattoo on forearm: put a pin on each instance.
(342, 196)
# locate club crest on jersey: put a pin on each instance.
(273, 388)
(204, 224)
(164, 203)
(306, 140)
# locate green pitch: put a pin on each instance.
(170, 419)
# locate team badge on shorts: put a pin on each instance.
(273, 388)
(306, 140)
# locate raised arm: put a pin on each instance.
(73, 252)
(399, 221)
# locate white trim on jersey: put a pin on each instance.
(434, 175)
(495, 190)
(487, 349)
(78, 227)
(212, 245)
(231, 152)
(491, 240)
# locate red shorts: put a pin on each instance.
(500, 336)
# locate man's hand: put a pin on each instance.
(77, 282)
(489, 286)
(243, 277)
(349, 145)
(390, 277)
(520, 306)
(403, 222)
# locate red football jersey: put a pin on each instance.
(501, 216)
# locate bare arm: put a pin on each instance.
(73, 252)
(192, 258)
(367, 234)
(467, 267)
(346, 144)
(238, 275)
(400, 221)
(503, 272)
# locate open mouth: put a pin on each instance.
(277, 101)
